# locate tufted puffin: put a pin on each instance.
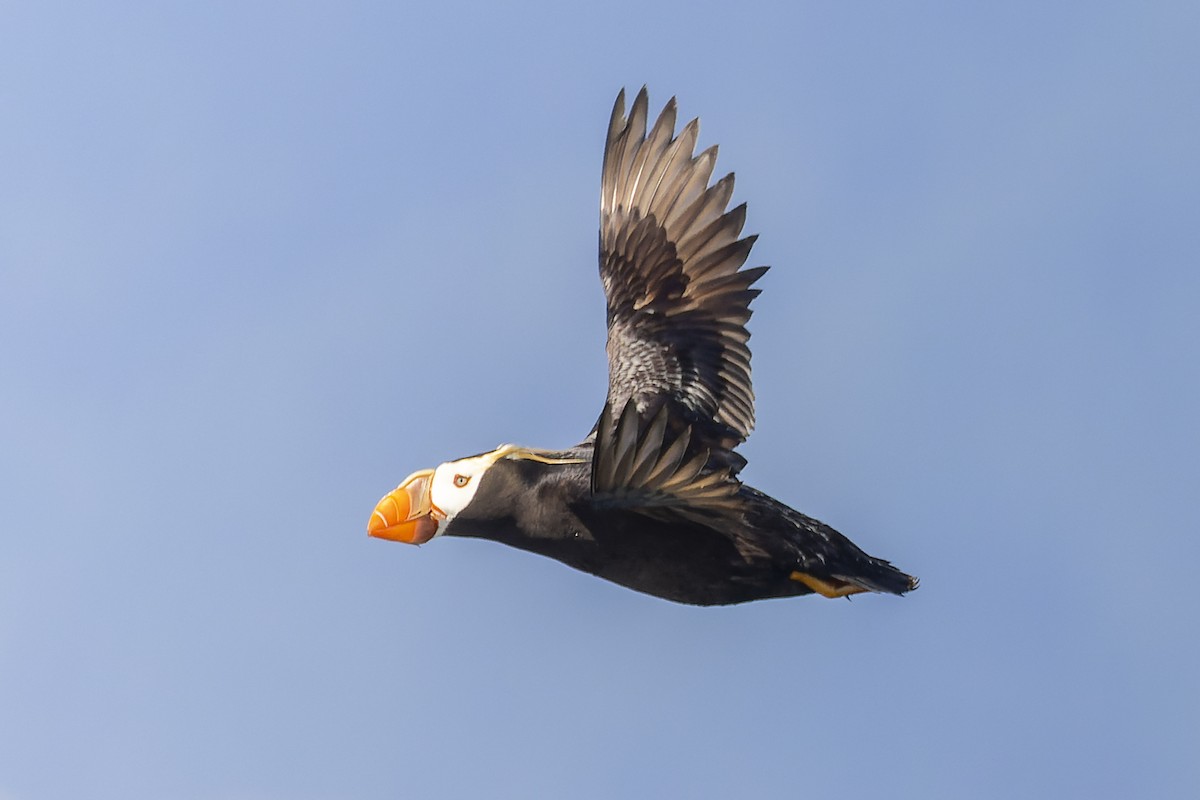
(651, 498)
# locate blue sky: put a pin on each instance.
(260, 261)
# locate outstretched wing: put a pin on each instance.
(670, 260)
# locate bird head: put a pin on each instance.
(427, 501)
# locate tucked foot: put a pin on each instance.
(832, 588)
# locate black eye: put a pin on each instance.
(461, 480)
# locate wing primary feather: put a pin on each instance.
(635, 136)
(692, 181)
(602, 471)
(612, 153)
(707, 206)
(625, 444)
(669, 461)
(710, 237)
(688, 471)
(649, 449)
(724, 260)
(673, 166)
(650, 154)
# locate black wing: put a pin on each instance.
(677, 300)
(679, 392)
(641, 465)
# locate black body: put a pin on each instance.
(549, 510)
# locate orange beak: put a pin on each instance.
(406, 513)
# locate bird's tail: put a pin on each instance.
(836, 566)
(877, 575)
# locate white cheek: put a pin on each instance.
(447, 497)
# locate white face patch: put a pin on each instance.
(454, 483)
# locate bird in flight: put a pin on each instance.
(651, 499)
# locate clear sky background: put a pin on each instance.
(260, 261)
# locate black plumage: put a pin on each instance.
(651, 499)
